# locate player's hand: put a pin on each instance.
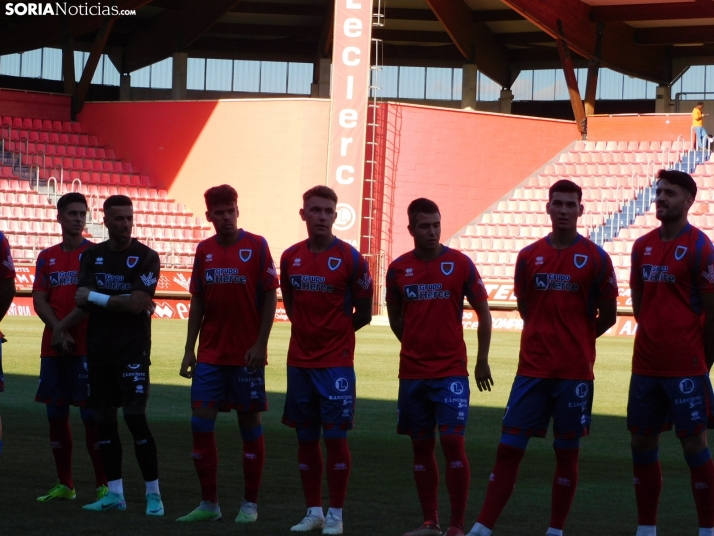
(256, 356)
(484, 381)
(188, 365)
(150, 308)
(82, 297)
(62, 342)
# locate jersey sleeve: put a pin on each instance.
(86, 270)
(607, 280)
(705, 268)
(7, 268)
(393, 294)
(42, 277)
(285, 288)
(196, 285)
(520, 277)
(474, 290)
(268, 274)
(635, 267)
(148, 274)
(361, 281)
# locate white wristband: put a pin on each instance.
(98, 298)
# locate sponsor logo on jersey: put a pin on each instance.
(149, 279)
(342, 384)
(111, 282)
(656, 274)
(99, 260)
(365, 281)
(409, 272)
(648, 250)
(215, 276)
(271, 269)
(686, 386)
(250, 370)
(209, 257)
(297, 261)
(580, 260)
(7, 263)
(460, 402)
(131, 261)
(708, 274)
(52, 262)
(447, 268)
(680, 252)
(544, 281)
(539, 260)
(60, 279)
(245, 254)
(425, 291)
(333, 263)
(312, 283)
(581, 390)
(134, 366)
(456, 387)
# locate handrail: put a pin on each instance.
(61, 182)
(9, 132)
(32, 167)
(79, 183)
(27, 150)
(680, 149)
(93, 206)
(49, 195)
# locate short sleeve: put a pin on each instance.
(86, 270)
(607, 280)
(148, 274)
(393, 293)
(520, 277)
(196, 285)
(361, 281)
(705, 281)
(635, 268)
(41, 283)
(474, 289)
(7, 268)
(268, 273)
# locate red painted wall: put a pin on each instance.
(17, 103)
(464, 161)
(648, 127)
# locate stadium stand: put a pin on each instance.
(41, 159)
(616, 178)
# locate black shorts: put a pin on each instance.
(119, 382)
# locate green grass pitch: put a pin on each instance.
(381, 499)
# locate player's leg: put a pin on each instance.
(527, 414)
(647, 417)
(338, 389)
(53, 391)
(451, 399)
(302, 412)
(208, 391)
(690, 401)
(248, 397)
(417, 419)
(572, 401)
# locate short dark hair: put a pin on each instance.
(567, 187)
(116, 201)
(68, 199)
(320, 191)
(421, 206)
(224, 194)
(700, 103)
(680, 178)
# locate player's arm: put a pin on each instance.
(7, 293)
(257, 355)
(41, 302)
(136, 303)
(62, 341)
(396, 320)
(363, 312)
(484, 380)
(636, 296)
(606, 317)
(195, 319)
(708, 303)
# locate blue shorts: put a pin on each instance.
(425, 403)
(533, 401)
(320, 396)
(63, 381)
(228, 387)
(656, 403)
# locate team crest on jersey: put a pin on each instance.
(131, 261)
(333, 263)
(680, 252)
(447, 268)
(580, 260)
(245, 254)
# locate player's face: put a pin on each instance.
(119, 221)
(224, 218)
(426, 231)
(73, 219)
(319, 214)
(564, 210)
(671, 201)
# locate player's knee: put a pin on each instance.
(137, 425)
(251, 434)
(249, 419)
(645, 457)
(205, 413)
(559, 443)
(306, 435)
(516, 441)
(643, 443)
(106, 417)
(57, 412)
(87, 414)
(694, 446)
(335, 434)
(201, 425)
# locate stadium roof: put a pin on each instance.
(652, 39)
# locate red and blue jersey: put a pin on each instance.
(57, 274)
(560, 290)
(431, 296)
(7, 267)
(323, 287)
(231, 280)
(672, 277)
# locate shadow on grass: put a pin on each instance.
(381, 500)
